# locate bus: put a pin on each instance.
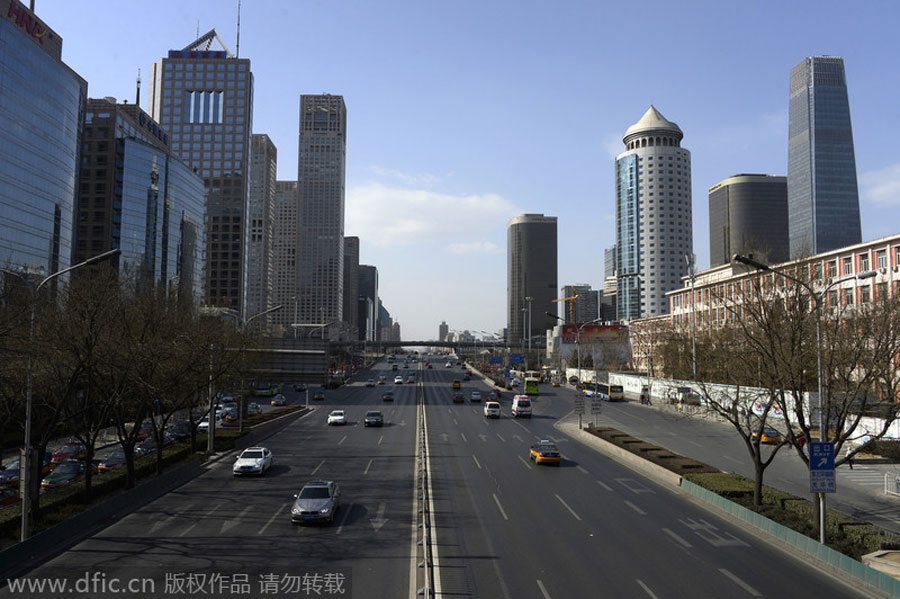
(534, 374)
(531, 385)
(605, 391)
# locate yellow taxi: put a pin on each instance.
(545, 452)
(769, 435)
(458, 397)
(457, 384)
(278, 400)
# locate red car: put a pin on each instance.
(70, 452)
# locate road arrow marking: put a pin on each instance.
(483, 438)
(379, 520)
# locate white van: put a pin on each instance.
(491, 409)
(521, 406)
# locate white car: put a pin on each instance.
(491, 409)
(337, 417)
(521, 406)
(203, 425)
(398, 380)
(476, 396)
(253, 460)
(448, 365)
(370, 383)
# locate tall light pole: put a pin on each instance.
(691, 259)
(529, 300)
(241, 395)
(824, 406)
(25, 469)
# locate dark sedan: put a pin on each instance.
(374, 418)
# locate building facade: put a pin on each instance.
(320, 178)
(204, 99)
(136, 196)
(443, 331)
(284, 255)
(368, 290)
(748, 215)
(654, 230)
(42, 105)
(823, 199)
(531, 278)
(261, 226)
(351, 286)
(585, 306)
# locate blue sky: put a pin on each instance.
(462, 115)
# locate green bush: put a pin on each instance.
(884, 448)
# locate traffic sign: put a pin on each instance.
(596, 406)
(579, 405)
(821, 468)
(495, 360)
(516, 359)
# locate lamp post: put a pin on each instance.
(529, 300)
(824, 406)
(241, 398)
(26, 462)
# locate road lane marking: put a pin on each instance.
(633, 485)
(477, 463)
(344, 518)
(524, 428)
(455, 421)
(604, 485)
(198, 520)
(691, 441)
(582, 470)
(369, 465)
(646, 589)
(562, 501)
(520, 439)
(344, 438)
(380, 439)
(635, 508)
(740, 583)
(736, 461)
(500, 507)
(316, 469)
(229, 524)
(543, 589)
(464, 437)
(677, 537)
(521, 459)
(501, 438)
(270, 520)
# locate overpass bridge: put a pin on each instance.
(396, 344)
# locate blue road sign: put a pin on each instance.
(821, 468)
(496, 360)
(516, 359)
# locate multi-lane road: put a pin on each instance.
(505, 528)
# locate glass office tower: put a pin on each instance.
(823, 200)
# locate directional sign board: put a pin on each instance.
(821, 468)
(495, 360)
(596, 405)
(579, 405)
(516, 359)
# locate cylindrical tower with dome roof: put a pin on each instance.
(654, 228)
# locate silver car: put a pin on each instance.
(317, 501)
(253, 460)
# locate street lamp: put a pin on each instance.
(529, 300)
(26, 462)
(577, 336)
(823, 404)
(241, 398)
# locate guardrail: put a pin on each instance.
(423, 495)
(891, 484)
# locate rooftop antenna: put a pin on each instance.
(237, 47)
(137, 95)
(198, 28)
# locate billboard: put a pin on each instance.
(595, 333)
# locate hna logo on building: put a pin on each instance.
(26, 21)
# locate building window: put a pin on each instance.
(864, 294)
(832, 269)
(848, 266)
(881, 257)
(863, 262)
(848, 297)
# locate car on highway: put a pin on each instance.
(370, 383)
(317, 501)
(8, 496)
(428, 365)
(394, 367)
(374, 418)
(387, 396)
(411, 378)
(253, 409)
(253, 460)
(145, 431)
(458, 397)
(448, 365)
(475, 396)
(180, 431)
(149, 445)
(521, 406)
(9, 476)
(64, 474)
(491, 409)
(299, 387)
(319, 396)
(544, 452)
(457, 384)
(114, 459)
(769, 434)
(494, 396)
(381, 379)
(398, 380)
(337, 417)
(278, 400)
(70, 452)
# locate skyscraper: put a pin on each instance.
(320, 177)
(351, 286)
(443, 331)
(284, 255)
(41, 111)
(531, 278)
(584, 308)
(823, 199)
(748, 215)
(204, 99)
(261, 223)
(653, 216)
(368, 289)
